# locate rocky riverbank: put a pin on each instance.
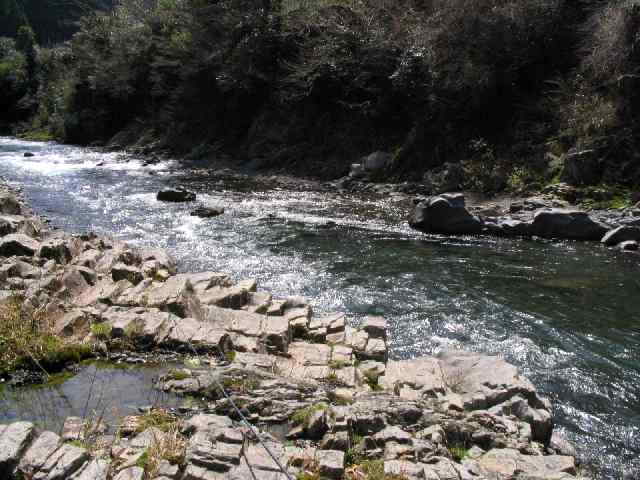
(535, 217)
(335, 405)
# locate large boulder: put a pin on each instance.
(569, 224)
(377, 161)
(175, 195)
(9, 204)
(56, 249)
(446, 214)
(18, 244)
(582, 168)
(621, 234)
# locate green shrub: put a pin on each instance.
(28, 341)
(101, 331)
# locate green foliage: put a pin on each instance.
(458, 452)
(175, 374)
(371, 470)
(308, 476)
(101, 331)
(157, 418)
(143, 460)
(354, 455)
(338, 364)
(371, 379)
(230, 356)
(27, 340)
(302, 416)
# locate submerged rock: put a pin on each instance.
(175, 195)
(207, 212)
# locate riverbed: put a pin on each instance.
(566, 313)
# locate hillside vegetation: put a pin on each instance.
(511, 88)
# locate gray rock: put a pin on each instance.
(569, 224)
(234, 297)
(561, 445)
(356, 170)
(316, 426)
(376, 349)
(89, 275)
(56, 249)
(502, 464)
(177, 296)
(96, 469)
(206, 423)
(514, 228)
(335, 441)
(621, 234)
(18, 244)
(9, 204)
(175, 195)
(7, 227)
(120, 271)
(63, 463)
(131, 473)
(207, 212)
(193, 472)
(444, 214)
(392, 434)
(629, 246)
(439, 468)
(73, 429)
(167, 470)
(403, 469)
(41, 449)
(376, 327)
(330, 463)
(377, 161)
(205, 451)
(14, 440)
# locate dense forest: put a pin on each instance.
(518, 92)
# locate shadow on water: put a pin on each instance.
(98, 390)
(566, 313)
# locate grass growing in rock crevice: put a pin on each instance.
(371, 470)
(302, 416)
(27, 341)
(169, 446)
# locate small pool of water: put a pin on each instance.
(98, 390)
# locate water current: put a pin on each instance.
(566, 313)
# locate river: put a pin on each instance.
(566, 313)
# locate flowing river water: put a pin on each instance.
(566, 313)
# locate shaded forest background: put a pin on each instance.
(515, 93)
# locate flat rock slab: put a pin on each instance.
(14, 440)
(63, 463)
(41, 449)
(96, 469)
(131, 473)
(502, 464)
